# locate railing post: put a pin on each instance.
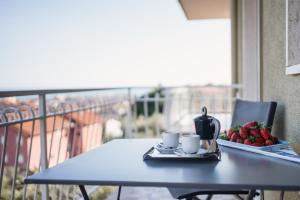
(146, 114)
(135, 101)
(167, 109)
(43, 140)
(129, 116)
(156, 106)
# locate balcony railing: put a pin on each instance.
(42, 128)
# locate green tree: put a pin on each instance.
(151, 104)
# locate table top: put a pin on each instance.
(120, 162)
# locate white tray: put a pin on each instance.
(281, 144)
(281, 150)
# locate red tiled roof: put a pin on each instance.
(84, 119)
(27, 126)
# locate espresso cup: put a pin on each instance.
(170, 139)
(190, 143)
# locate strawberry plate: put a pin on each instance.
(279, 145)
(281, 150)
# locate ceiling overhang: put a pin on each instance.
(206, 9)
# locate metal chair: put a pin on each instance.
(244, 111)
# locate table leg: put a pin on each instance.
(262, 195)
(251, 194)
(281, 194)
(83, 192)
(119, 192)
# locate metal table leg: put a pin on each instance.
(83, 192)
(281, 194)
(119, 192)
(262, 195)
(251, 194)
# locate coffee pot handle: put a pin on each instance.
(217, 125)
(213, 146)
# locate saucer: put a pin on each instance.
(180, 152)
(165, 150)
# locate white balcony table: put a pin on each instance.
(120, 162)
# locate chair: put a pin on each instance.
(244, 111)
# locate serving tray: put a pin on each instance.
(154, 154)
(281, 144)
(281, 150)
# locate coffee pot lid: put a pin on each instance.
(204, 115)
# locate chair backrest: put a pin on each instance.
(246, 111)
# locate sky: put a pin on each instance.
(109, 43)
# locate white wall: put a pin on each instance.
(250, 49)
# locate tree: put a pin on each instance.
(150, 104)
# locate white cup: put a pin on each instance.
(190, 143)
(170, 139)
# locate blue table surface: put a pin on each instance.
(120, 162)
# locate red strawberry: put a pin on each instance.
(243, 132)
(247, 141)
(250, 124)
(254, 132)
(260, 140)
(269, 142)
(234, 137)
(264, 132)
(230, 132)
(256, 144)
(252, 139)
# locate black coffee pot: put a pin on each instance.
(207, 127)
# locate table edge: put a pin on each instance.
(165, 184)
